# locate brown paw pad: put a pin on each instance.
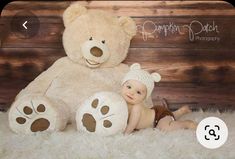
(104, 110)
(107, 123)
(40, 124)
(95, 103)
(41, 108)
(20, 120)
(89, 122)
(27, 110)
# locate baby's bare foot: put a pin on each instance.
(185, 109)
(191, 124)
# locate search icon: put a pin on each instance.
(212, 132)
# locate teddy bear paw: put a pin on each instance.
(89, 122)
(103, 113)
(33, 115)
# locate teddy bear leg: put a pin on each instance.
(34, 114)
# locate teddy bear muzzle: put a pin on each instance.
(95, 53)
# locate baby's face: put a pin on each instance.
(134, 92)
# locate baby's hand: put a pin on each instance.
(133, 119)
(127, 132)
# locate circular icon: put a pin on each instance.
(212, 132)
(25, 24)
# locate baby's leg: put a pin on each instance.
(168, 124)
(181, 111)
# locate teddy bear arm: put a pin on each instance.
(33, 111)
(120, 72)
(40, 85)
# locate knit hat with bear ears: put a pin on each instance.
(136, 73)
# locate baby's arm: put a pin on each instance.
(133, 119)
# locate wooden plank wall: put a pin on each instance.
(190, 43)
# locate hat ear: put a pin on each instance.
(156, 76)
(72, 12)
(135, 66)
(128, 26)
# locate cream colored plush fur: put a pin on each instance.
(144, 144)
(96, 43)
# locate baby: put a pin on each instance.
(137, 86)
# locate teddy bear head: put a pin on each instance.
(96, 38)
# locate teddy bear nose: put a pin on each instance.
(97, 52)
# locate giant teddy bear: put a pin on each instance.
(96, 43)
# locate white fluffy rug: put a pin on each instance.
(146, 144)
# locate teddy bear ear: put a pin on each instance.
(128, 25)
(135, 66)
(156, 76)
(73, 11)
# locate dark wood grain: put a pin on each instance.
(187, 65)
(51, 30)
(20, 63)
(196, 95)
(128, 4)
(175, 65)
(129, 8)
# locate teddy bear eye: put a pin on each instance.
(90, 38)
(103, 41)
